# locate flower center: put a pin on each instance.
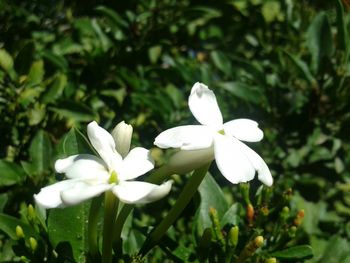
(222, 132)
(113, 179)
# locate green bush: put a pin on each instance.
(284, 64)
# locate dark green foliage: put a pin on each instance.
(284, 64)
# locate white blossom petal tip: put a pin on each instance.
(204, 107)
(188, 137)
(141, 192)
(50, 196)
(231, 161)
(244, 130)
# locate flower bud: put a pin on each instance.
(122, 134)
(284, 213)
(31, 213)
(271, 260)
(19, 231)
(186, 161)
(233, 236)
(250, 214)
(299, 218)
(259, 241)
(33, 243)
(213, 213)
(292, 231)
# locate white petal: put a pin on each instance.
(186, 161)
(81, 191)
(204, 107)
(104, 144)
(122, 134)
(188, 137)
(136, 163)
(244, 130)
(49, 196)
(141, 192)
(264, 174)
(231, 161)
(84, 166)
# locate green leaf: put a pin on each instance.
(211, 196)
(336, 251)
(3, 200)
(154, 53)
(11, 173)
(6, 61)
(40, 152)
(58, 61)
(303, 68)
(297, 252)
(36, 73)
(76, 111)
(342, 34)
(55, 90)
(232, 215)
(104, 40)
(69, 225)
(271, 11)
(243, 91)
(118, 94)
(320, 40)
(8, 225)
(112, 15)
(75, 143)
(221, 61)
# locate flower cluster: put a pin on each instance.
(89, 175)
(117, 166)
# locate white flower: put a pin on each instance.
(89, 176)
(236, 161)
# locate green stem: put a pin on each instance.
(92, 226)
(157, 176)
(160, 174)
(118, 225)
(184, 198)
(111, 208)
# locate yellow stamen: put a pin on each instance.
(113, 178)
(222, 132)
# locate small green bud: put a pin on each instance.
(259, 241)
(213, 213)
(292, 231)
(31, 213)
(23, 259)
(33, 243)
(19, 232)
(233, 236)
(284, 213)
(271, 260)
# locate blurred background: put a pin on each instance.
(284, 64)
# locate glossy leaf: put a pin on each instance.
(296, 252)
(8, 225)
(320, 40)
(10, 174)
(211, 196)
(69, 225)
(40, 152)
